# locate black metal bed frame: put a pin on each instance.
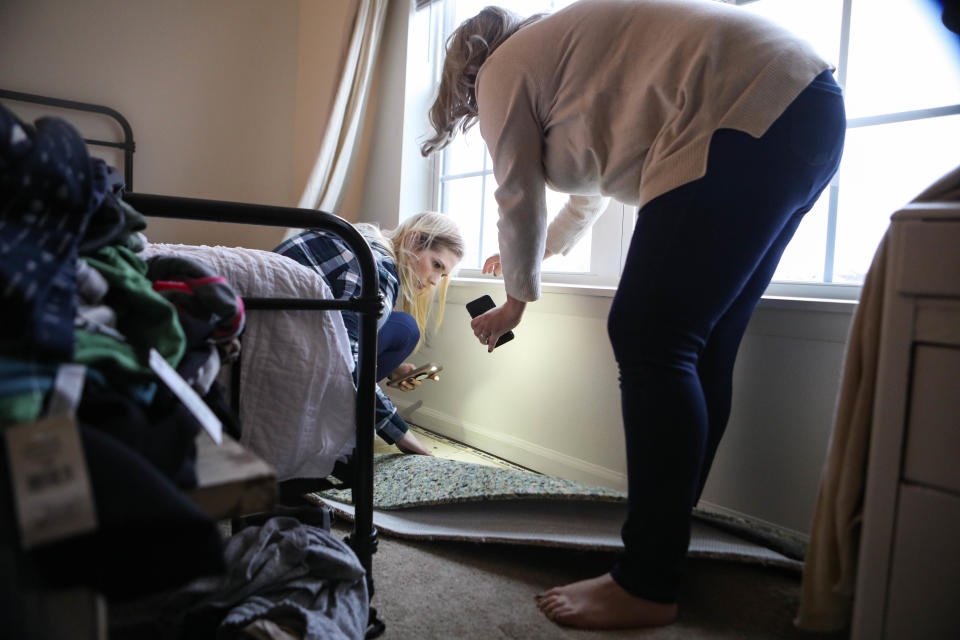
(363, 539)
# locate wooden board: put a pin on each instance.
(232, 481)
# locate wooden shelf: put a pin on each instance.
(231, 480)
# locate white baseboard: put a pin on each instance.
(515, 450)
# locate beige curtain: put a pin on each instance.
(326, 186)
(830, 568)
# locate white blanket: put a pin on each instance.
(297, 398)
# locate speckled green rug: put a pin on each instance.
(403, 482)
(422, 497)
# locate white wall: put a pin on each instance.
(225, 97)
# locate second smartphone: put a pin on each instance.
(480, 306)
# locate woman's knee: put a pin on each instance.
(401, 331)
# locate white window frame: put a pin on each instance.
(609, 236)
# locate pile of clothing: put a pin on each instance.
(92, 330)
(74, 293)
(288, 578)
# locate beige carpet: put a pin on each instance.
(428, 589)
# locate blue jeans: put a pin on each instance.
(396, 340)
(700, 258)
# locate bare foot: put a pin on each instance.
(409, 444)
(600, 603)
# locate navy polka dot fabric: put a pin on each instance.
(49, 190)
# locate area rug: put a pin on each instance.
(431, 498)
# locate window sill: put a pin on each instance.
(545, 287)
(768, 301)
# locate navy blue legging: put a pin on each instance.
(700, 258)
(396, 340)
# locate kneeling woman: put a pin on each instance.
(414, 262)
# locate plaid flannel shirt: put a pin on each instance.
(329, 256)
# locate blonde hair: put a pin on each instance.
(424, 231)
(468, 47)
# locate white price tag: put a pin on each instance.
(50, 482)
(207, 419)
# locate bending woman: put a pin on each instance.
(413, 262)
(723, 129)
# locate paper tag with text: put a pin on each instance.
(207, 419)
(50, 483)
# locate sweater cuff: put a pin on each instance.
(392, 428)
(525, 288)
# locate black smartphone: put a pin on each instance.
(480, 306)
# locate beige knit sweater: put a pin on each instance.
(620, 98)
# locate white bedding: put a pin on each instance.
(297, 399)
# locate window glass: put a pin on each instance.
(460, 202)
(883, 168)
(465, 154)
(901, 58)
(805, 256)
(816, 21)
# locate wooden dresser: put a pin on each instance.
(908, 578)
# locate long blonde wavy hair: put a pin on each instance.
(427, 230)
(468, 47)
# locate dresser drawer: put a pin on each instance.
(925, 567)
(932, 455)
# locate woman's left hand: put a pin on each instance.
(492, 264)
(488, 327)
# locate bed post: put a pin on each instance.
(128, 145)
(363, 540)
(370, 304)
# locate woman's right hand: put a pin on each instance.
(489, 326)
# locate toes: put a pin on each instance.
(554, 606)
(561, 614)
